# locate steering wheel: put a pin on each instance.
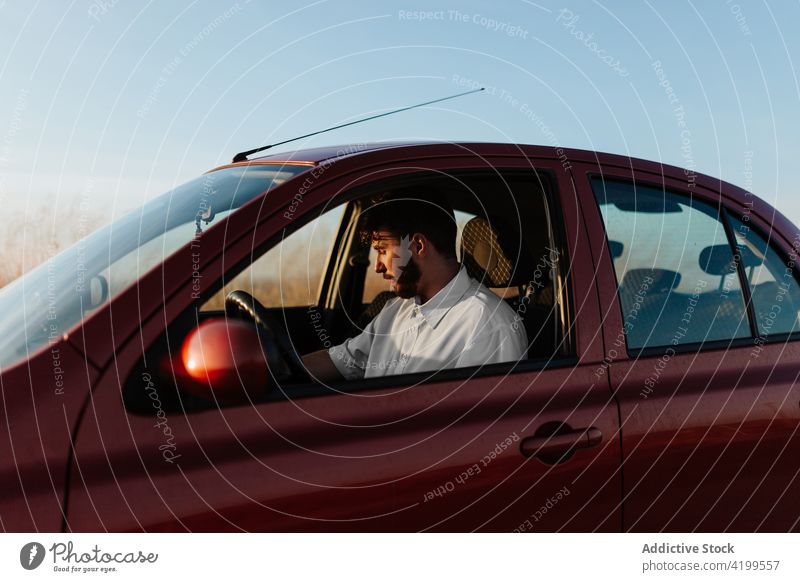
(283, 361)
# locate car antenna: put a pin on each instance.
(242, 156)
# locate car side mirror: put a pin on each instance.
(95, 293)
(224, 361)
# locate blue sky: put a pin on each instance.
(123, 100)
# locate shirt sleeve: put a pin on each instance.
(352, 356)
(505, 344)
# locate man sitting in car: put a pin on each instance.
(441, 317)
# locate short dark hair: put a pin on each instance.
(404, 214)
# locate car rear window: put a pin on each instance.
(676, 275)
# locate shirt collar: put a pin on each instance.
(437, 306)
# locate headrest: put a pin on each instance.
(718, 259)
(493, 255)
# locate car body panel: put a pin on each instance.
(709, 439)
(713, 446)
(354, 462)
(306, 464)
(42, 402)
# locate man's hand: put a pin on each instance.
(320, 366)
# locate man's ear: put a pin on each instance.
(419, 244)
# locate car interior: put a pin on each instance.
(682, 290)
(677, 289)
(509, 240)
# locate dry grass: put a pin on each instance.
(286, 276)
(31, 237)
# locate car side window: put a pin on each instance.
(774, 291)
(289, 274)
(677, 279)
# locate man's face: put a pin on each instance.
(395, 262)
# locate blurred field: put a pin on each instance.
(30, 237)
(288, 275)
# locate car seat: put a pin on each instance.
(493, 253)
(648, 302)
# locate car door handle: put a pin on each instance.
(582, 438)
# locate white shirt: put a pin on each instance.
(464, 324)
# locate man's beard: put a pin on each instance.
(406, 284)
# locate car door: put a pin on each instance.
(707, 395)
(534, 448)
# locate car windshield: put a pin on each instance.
(39, 307)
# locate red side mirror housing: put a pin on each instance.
(224, 361)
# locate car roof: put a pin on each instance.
(412, 149)
(319, 155)
(399, 150)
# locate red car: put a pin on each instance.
(659, 392)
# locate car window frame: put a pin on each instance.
(720, 215)
(341, 186)
(780, 251)
(666, 180)
(345, 237)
